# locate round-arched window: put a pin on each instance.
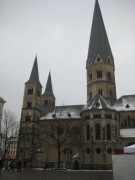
(98, 150)
(109, 150)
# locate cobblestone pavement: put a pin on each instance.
(30, 174)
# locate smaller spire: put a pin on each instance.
(49, 89)
(34, 77)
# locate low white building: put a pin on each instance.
(11, 147)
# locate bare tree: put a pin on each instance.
(58, 136)
(9, 129)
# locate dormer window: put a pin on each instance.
(97, 104)
(98, 59)
(69, 115)
(127, 106)
(54, 115)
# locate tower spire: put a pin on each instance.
(34, 77)
(49, 89)
(100, 63)
(99, 44)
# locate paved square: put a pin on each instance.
(30, 174)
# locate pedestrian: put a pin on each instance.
(11, 166)
(1, 164)
(19, 166)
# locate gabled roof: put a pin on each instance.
(64, 112)
(97, 103)
(125, 103)
(49, 89)
(34, 77)
(99, 44)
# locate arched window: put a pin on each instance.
(129, 121)
(108, 131)
(109, 75)
(29, 104)
(87, 132)
(98, 131)
(99, 73)
(90, 76)
(90, 94)
(110, 93)
(133, 122)
(125, 123)
(100, 92)
(30, 91)
(46, 103)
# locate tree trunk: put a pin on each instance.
(58, 156)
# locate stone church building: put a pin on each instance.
(78, 136)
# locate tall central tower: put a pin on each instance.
(100, 62)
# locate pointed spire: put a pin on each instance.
(34, 77)
(99, 43)
(49, 89)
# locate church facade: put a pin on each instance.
(78, 136)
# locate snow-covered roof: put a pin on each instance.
(125, 103)
(127, 133)
(64, 112)
(97, 103)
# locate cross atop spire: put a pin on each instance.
(99, 44)
(34, 77)
(49, 89)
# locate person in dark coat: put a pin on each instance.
(1, 164)
(19, 166)
(11, 166)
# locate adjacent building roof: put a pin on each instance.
(49, 89)
(64, 112)
(99, 44)
(125, 103)
(34, 77)
(97, 103)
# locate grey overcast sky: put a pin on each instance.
(59, 31)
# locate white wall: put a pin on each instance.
(124, 167)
